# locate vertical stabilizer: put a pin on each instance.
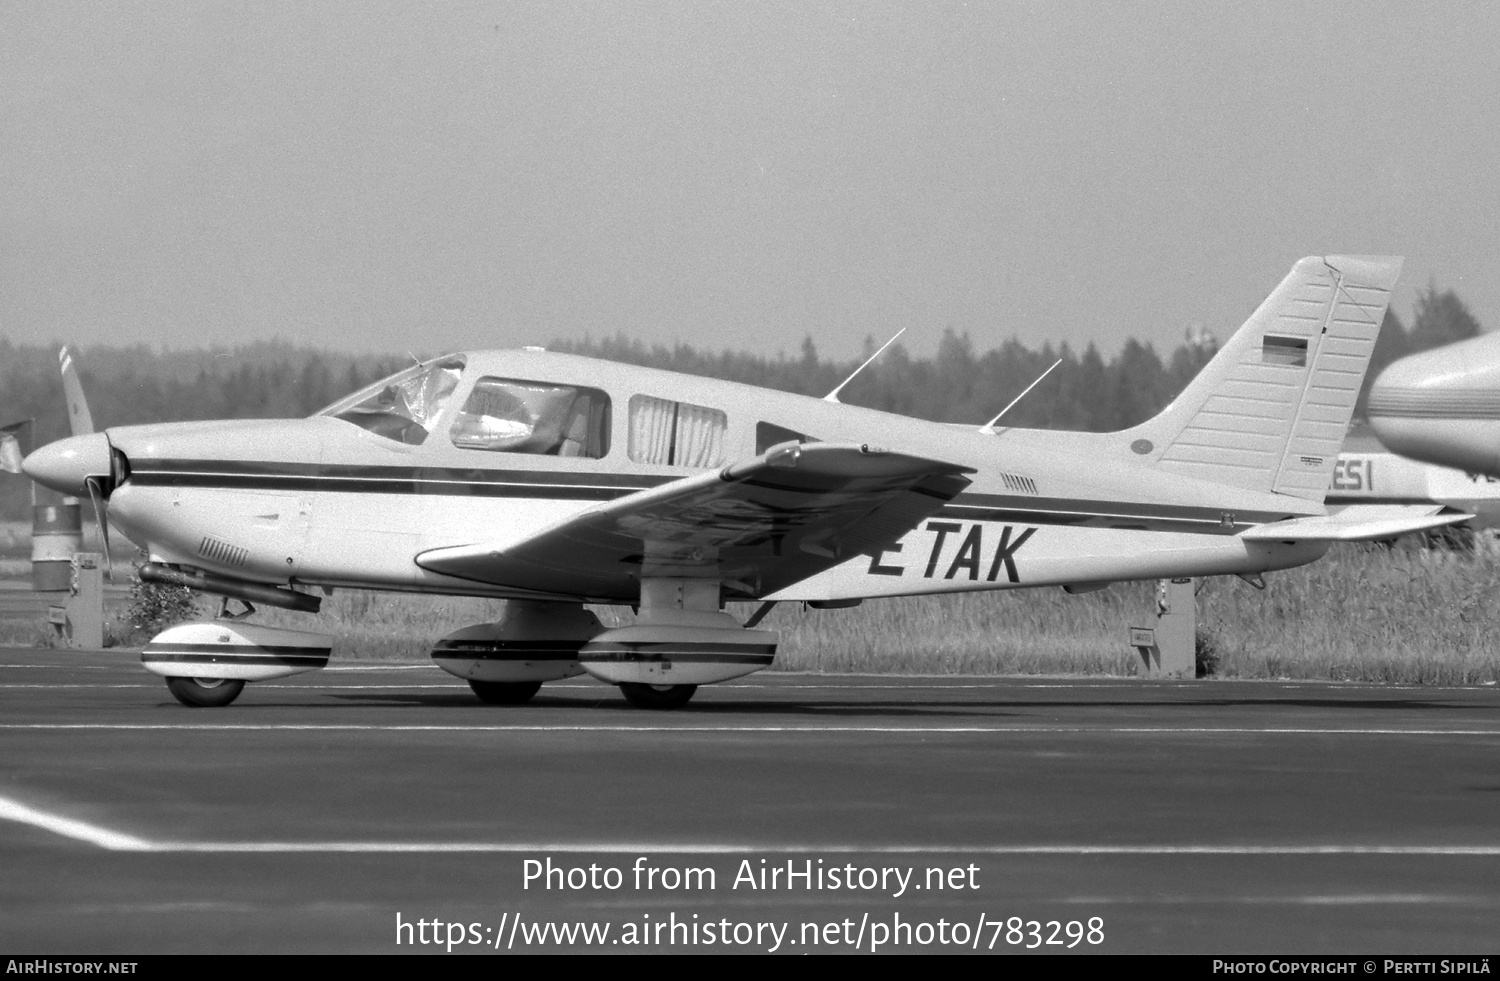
(1269, 412)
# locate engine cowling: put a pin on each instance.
(531, 642)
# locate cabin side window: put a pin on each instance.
(505, 415)
(677, 434)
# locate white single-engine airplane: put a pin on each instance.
(554, 481)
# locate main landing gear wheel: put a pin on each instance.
(505, 692)
(656, 696)
(205, 692)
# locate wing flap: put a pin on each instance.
(758, 525)
(1359, 522)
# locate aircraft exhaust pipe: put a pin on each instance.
(236, 588)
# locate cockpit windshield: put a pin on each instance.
(404, 406)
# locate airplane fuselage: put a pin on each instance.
(325, 501)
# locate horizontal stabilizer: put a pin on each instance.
(1359, 523)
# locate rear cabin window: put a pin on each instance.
(677, 434)
(505, 415)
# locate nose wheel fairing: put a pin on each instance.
(233, 651)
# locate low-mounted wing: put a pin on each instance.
(1359, 522)
(758, 525)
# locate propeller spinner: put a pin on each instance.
(72, 465)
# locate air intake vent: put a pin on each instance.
(222, 552)
(1022, 485)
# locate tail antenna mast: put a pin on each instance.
(989, 428)
(833, 396)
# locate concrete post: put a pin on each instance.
(1168, 650)
(79, 622)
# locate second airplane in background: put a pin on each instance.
(1443, 406)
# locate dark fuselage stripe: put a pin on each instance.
(551, 485)
(364, 485)
(161, 657)
(352, 471)
(1476, 405)
(507, 651)
(685, 657)
(237, 649)
(688, 652)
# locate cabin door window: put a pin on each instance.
(509, 416)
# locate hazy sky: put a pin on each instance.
(438, 176)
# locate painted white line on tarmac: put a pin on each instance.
(129, 659)
(93, 834)
(1353, 899)
(915, 684)
(455, 689)
(91, 687)
(111, 840)
(741, 848)
(459, 688)
(879, 730)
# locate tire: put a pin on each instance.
(656, 696)
(505, 692)
(205, 692)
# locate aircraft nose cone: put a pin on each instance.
(63, 465)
